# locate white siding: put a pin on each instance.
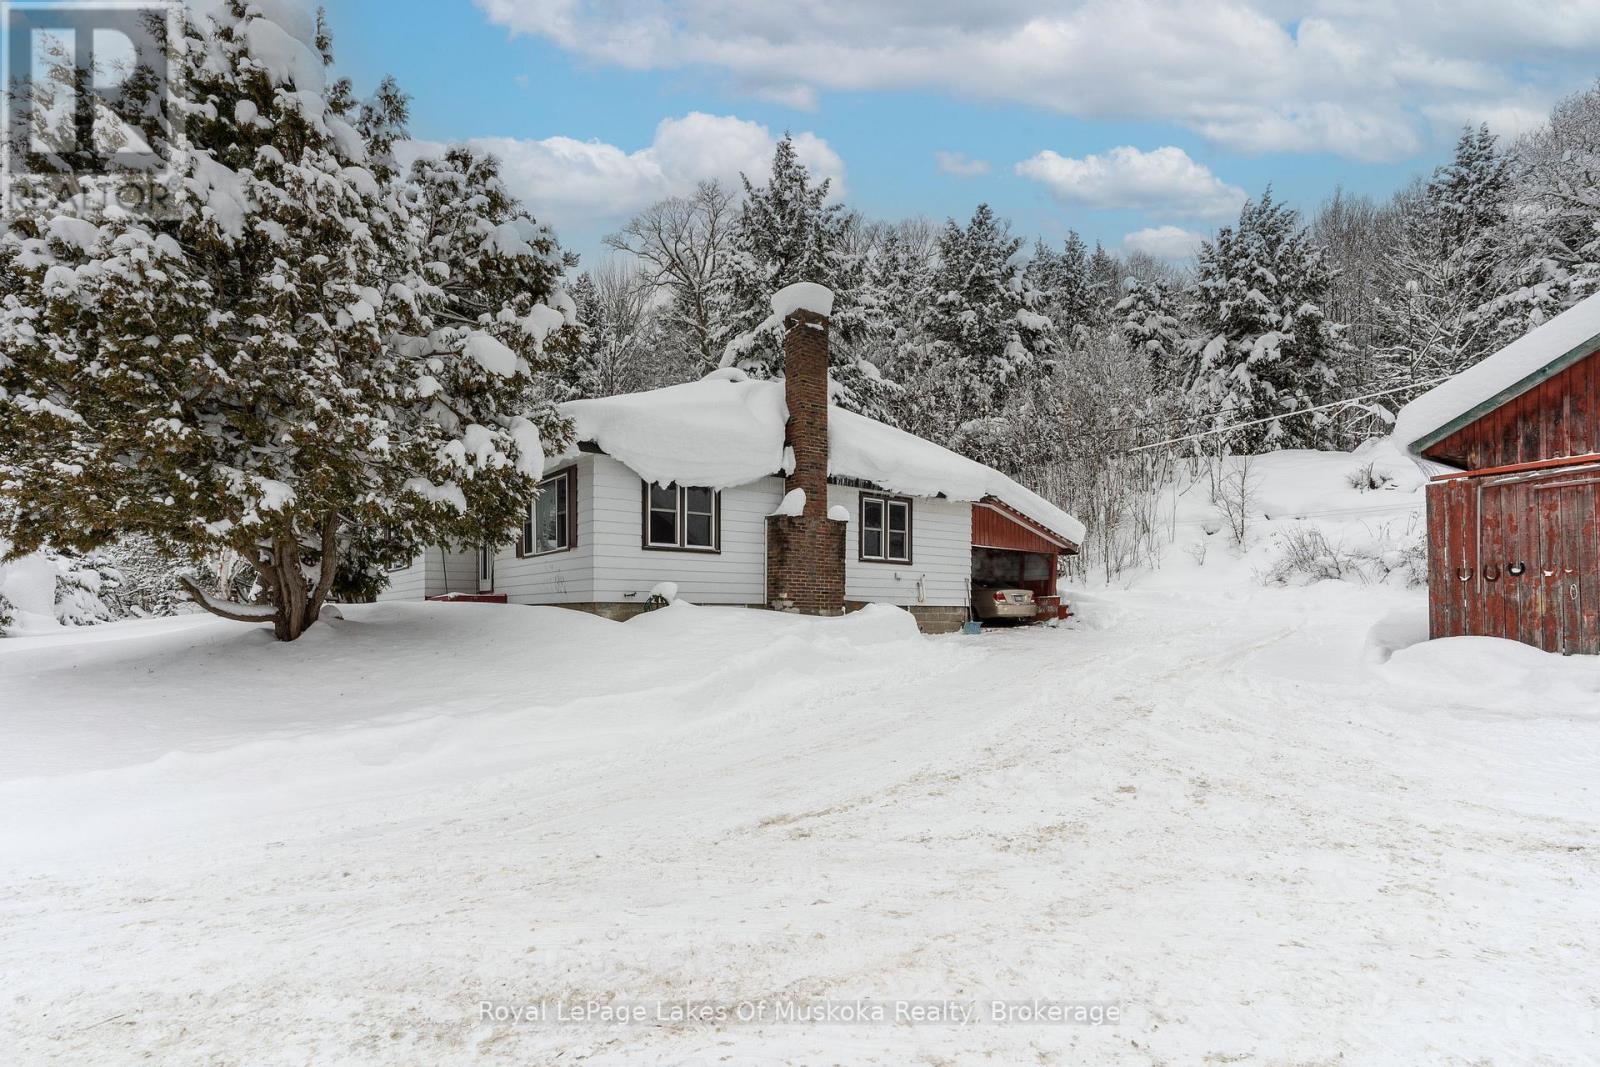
(557, 577)
(625, 570)
(407, 584)
(436, 572)
(610, 565)
(941, 555)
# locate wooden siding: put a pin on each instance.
(941, 551)
(993, 528)
(1559, 417)
(1546, 521)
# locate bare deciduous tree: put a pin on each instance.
(684, 243)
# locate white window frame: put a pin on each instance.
(530, 526)
(887, 506)
(680, 519)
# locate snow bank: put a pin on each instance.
(1395, 631)
(1366, 504)
(728, 429)
(29, 584)
(1505, 676)
(106, 725)
(1443, 404)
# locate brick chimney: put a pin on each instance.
(805, 552)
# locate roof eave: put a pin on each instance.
(1574, 355)
(1061, 540)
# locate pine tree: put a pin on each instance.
(1065, 285)
(1149, 318)
(1106, 275)
(978, 339)
(1447, 279)
(896, 288)
(306, 364)
(787, 232)
(1264, 347)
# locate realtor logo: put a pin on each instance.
(88, 124)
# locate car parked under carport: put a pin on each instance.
(1012, 554)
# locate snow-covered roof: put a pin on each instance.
(728, 429)
(1502, 376)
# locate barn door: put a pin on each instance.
(1583, 596)
(1573, 511)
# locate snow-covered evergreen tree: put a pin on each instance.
(1065, 285)
(978, 339)
(1454, 263)
(1263, 347)
(1149, 318)
(1106, 275)
(306, 362)
(788, 232)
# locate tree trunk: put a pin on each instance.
(295, 606)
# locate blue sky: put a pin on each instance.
(1148, 117)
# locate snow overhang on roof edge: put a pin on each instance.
(1499, 378)
(1505, 396)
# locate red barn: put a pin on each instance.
(1514, 514)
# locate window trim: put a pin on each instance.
(525, 548)
(681, 517)
(887, 503)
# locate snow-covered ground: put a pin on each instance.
(1234, 812)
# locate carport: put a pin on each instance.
(1010, 549)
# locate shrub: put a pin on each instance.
(1367, 478)
(1306, 554)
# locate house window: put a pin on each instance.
(885, 529)
(681, 517)
(550, 525)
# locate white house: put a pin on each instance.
(759, 493)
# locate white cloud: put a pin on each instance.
(1163, 181)
(568, 182)
(1350, 76)
(798, 97)
(1164, 242)
(961, 165)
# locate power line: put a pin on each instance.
(1287, 415)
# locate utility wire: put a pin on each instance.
(1286, 415)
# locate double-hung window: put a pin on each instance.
(549, 526)
(680, 517)
(885, 529)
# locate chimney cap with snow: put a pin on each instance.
(802, 296)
